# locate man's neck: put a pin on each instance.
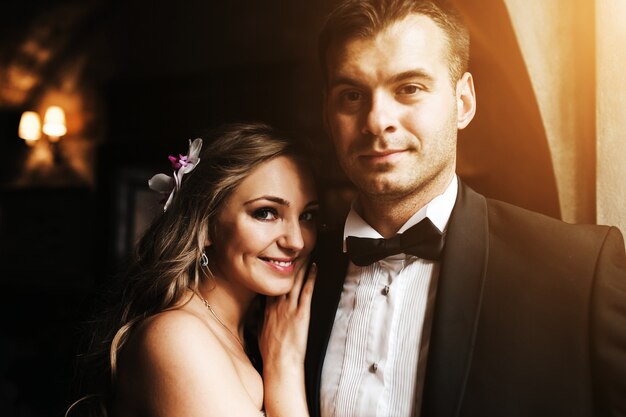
(387, 215)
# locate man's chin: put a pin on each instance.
(382, 186)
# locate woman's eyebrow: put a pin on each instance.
(271, 198)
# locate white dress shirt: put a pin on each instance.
(371, 361)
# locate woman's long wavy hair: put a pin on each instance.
(167, 257)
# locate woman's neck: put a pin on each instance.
(227, 303)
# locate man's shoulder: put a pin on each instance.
(518, 227)
(505, 219)
(503, 213)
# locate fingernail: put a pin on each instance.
(313, 267)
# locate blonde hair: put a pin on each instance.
(167, 257)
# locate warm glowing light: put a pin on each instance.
(54, 123)
(30, 127)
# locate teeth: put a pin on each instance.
(281, 263)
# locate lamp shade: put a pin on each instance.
(54, 122)
(30, 127)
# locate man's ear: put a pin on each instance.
(466, 100)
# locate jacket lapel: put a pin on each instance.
(332, 267)
(457, 305)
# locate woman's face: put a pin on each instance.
(266, 229)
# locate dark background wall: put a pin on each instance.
(137, 78)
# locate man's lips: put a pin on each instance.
(383, 156)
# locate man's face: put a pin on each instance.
(392, 109)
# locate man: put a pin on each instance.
(482, 309)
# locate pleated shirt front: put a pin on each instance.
(372, 357)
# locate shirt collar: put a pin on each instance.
(438, 210)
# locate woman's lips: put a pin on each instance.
(283, 265)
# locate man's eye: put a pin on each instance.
(351, 96)
(265, 213)
(409, 89)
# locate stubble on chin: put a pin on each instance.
(390, 184)
(382, 185)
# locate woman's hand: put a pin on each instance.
(286, 324)
(283, 347)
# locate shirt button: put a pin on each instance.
(374, 368)
(385, 290)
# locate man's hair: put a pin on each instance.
(366, 18)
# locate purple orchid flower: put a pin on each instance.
(182, 165)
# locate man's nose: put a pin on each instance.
(381, 117)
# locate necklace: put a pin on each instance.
(208, 306)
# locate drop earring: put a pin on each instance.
(204, 260)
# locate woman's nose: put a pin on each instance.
(291, 237)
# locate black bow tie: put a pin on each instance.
(423, 240)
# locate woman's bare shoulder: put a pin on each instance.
(173, 331)
(174, 363)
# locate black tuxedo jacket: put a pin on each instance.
(529, 318)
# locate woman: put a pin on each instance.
(239, 221)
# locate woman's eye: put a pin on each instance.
(265, 213)
(308, 216)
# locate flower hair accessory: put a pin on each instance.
(183, 164)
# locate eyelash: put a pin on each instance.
(312, 214)
(351, 96)
(262, 214)
(414, 87)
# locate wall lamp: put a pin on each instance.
(31, 130)
(54, 126)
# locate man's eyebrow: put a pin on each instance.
(402, 76)
(271, 198)
(343, 80)
(415, 73)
